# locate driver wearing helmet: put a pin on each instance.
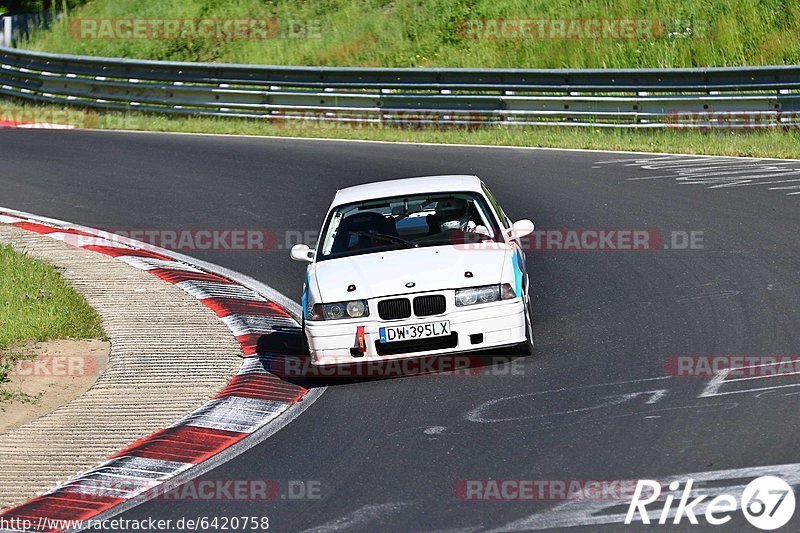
(454, 214)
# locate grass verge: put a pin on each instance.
(37, 305)
(780, 143)
(449, 33)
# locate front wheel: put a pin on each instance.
(526, 348)
(304, 352)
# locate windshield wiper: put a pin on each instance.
(385, 237)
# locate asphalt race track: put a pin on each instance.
(595, 402)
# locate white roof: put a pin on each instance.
(400, 187)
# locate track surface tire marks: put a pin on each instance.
(601, 318)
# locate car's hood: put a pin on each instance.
(387, 273)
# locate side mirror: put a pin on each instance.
(520, 228)
(301, 252)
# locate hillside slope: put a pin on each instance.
(455, 33)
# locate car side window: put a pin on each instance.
(501, 216)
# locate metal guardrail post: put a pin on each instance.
(6, 35)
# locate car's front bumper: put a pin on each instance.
(500, 323)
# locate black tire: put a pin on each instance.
(526, 348)
(304, 346)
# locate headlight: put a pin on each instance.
(484, 295)
(333, 311)
(356, 308)
(337, 310)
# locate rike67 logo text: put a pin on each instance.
(767, 503)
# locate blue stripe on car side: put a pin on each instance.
(304, 300)
(517, 263)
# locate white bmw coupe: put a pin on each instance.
(415, 267)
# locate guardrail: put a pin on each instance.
(704, 97)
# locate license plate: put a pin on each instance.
(415, 331)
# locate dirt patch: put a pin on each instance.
(55, 373)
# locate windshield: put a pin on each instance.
(407, 222)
